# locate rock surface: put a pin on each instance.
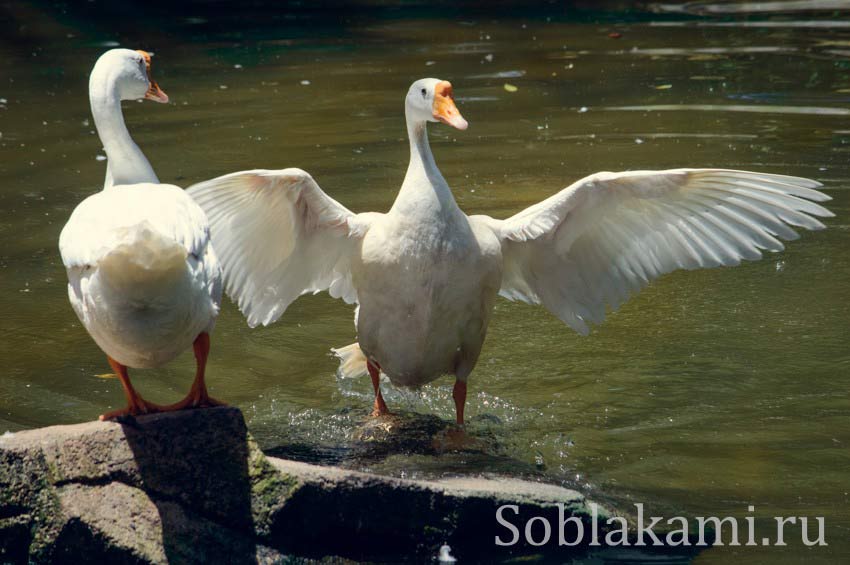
(193, 487)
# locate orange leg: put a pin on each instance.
(136, 405)
(380, 408)
(459, 394)
(198, 396)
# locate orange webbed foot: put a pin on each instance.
(139, 407)
(194, 401)
(378, 413)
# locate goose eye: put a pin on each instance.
(424, 92)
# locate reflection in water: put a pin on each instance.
(657, 135)
(828, 24)
(500, 74)
(658, 51)
(709, 391)
(758, 109)
(744, 7)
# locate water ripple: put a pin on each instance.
(782, 6)
(755, 109)
(814, 24)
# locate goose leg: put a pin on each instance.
(459, 394)
(456, 438)
(198, 396)
(136, 405)
(380, 408)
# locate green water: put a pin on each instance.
(708, 392)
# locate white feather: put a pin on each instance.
(586, 248)
(278, 236)
(143, 277)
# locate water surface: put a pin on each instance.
(708, 392)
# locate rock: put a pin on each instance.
(186, 486)
(193, 486)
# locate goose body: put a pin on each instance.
(426, 278)
(425, 275)
(142, 275)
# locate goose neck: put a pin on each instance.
(424, 191)
(126, 162)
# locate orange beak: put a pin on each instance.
(154, 93)
(444, 106)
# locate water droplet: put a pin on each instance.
(445, 555)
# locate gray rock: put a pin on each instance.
(193, 486)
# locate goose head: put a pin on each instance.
(127, 73)
(431, 100)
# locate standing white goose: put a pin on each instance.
(142, 274)
(426, 275)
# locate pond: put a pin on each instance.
(709, 392)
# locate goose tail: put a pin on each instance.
(352, 361)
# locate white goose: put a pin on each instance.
(142, 274)
(426, 275)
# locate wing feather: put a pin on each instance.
(590, 246)
(278, 236)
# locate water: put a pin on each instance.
(708, 392)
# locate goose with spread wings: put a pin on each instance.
(425, 275)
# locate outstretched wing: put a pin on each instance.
(592, 244)
(277, 236)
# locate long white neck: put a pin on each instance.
(126, 162)
(424, 187)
